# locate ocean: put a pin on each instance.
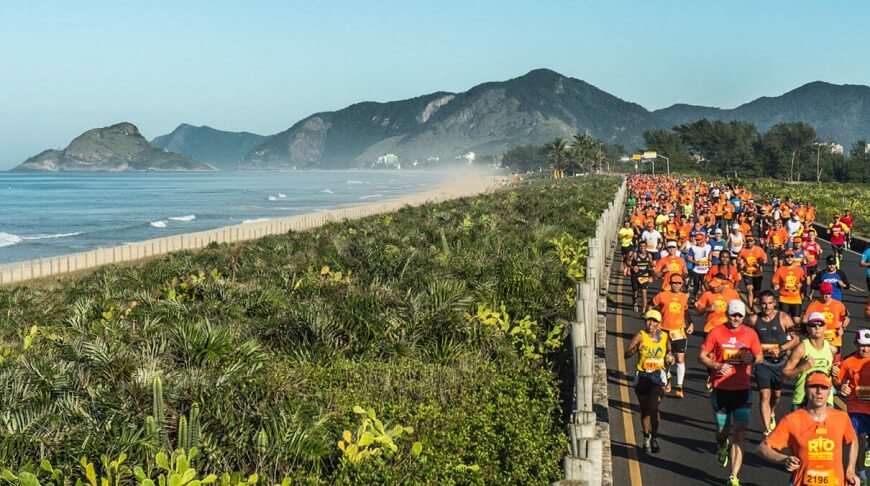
(44, 215)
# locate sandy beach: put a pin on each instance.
(460, 186)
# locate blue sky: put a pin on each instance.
(261, 66)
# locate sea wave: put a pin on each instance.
(256, 220)
(327, 191)
(278, 197)
(49, 237)
(8, 239)
(355, 182)
(158, 224)
(371, 196)
(189, 217)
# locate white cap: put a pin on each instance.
(736, 306)
(672, 244)
(862, 336)
(816, 316)
(718, 230)
(735, 226)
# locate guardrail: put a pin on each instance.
(589, 460)
(53, 266)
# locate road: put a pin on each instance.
(686, 431)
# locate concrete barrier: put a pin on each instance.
(588, 462)
(47, 267)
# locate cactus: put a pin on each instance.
(188, 429)
(182, 440)
(157, 409)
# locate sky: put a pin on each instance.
(258, 66)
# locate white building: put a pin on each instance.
(389, 160)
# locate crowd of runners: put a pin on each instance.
(690, 248)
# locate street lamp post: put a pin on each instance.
(666, 160)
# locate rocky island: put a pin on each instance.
(118, 148)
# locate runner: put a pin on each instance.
(832, 275)
(837, 232)
(865, 262)
(670, 265)
(674, 306)
(772, 327)
(718, 245)
(736, 240)
(749, 261)
(787, 281)
(652, 239)
(834, 313)
(641, 277)
(813, 354)
(729, 351)
(815, 435)
(849, 221)
(776, 241)
(699, 255)
(626, 243)
(653, 350)
(728, 269)
(714, 302)
(854, 383)
(812, 255)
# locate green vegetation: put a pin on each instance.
(582, 154)
(421, 347)
(829, 198)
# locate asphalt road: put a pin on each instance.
(686, 431)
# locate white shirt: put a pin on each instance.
(651, 239)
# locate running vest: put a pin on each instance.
(651, 357)
(736, 244)
(644, 266)
(701, 255)
(823, 360)
(771, 335)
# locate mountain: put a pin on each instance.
(487, 119)
(838, 112)
(216, 147)
(118, 148)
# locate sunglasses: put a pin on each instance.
(815, 324)
(737, 315)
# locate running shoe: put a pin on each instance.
(647, 443)
(679, 392)
(722, 455)
(668, 386)
(772, 422)
(654, 444)
(867, 459)
(709, 384)
(733, 481)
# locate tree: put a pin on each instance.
(796, 140)
(668, 143)
(525, 158)
(724, 148)
(557, 152)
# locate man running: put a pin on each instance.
(812, 255)
(714, 302)
(865, 262)
(777, 238)
(772, 327)
(653, 351)
(652, 239)
(854, 383)
(670, 265)
(832, 275)
(729, 351)
(727, 268)
(837, 232)
(812, 354)
(749, 262)
(833, 312)
(641, 277)
(815, 435)
(699, 255)
(674, 306)
(787, 281)
(626, 243)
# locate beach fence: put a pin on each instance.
(48, 267)
(588, 462)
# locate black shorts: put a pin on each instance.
(778, 253)
(697, 279)
(645, 382)
(812, 270)
(729, 401)
(838, 248)
(637, 285)
(755, 282)
(790, 309)
(767, 376)
(626, 250)
(679, 345)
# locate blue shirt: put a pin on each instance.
(833, 279)
(866, 259)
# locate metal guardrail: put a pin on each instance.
(588, 461)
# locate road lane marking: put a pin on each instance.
(627, 420)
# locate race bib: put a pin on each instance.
(653, 364)
(703, 262)
(862, 392)
(677, 334)
(830, 334)
(643, 280)
(766, 348)
(819, 476)
(732, 356)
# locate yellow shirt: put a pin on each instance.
(652, 354)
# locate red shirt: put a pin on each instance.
(838, 233)
(729, 346)
(811, 252)
(819, 445)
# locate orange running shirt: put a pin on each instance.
(789, 280)
(670, 265)
(777, 237)
(754, 259)
(673, 307)
(718, 317)
(819, 445)
(834, 312)
(856, 372)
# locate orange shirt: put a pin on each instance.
(731, 274)
(753, 259)
(777, 237)
(856, 372)
(720, 301)
(819, 445)
(673, 307)
(834, 312)
(671, 265)
(789, 280)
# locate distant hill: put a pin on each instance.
(838, 112)
(487, 119)
(118, 148)
(216, 147)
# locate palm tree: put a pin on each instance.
(557, 152)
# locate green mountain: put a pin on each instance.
(487, 119)
(118, 148)
(838, 112)
(218, 148)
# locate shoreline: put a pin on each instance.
(22, 271)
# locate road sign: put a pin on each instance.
(649, 155)
(635, 157)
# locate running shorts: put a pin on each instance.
(767, 376)
(731, 403)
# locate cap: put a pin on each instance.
(862, 337)
(699, 236)
(671, 244)
(816, 317)
(716, 283)
(797, 238)
(831, 260)
(819, 379)
(794, 217)
(676, 279)
(736, 306)
(735, 226)
(789, 253)
(750, 238)
(813, 231)
(654, 315)
(718, 231)
(826, 288)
